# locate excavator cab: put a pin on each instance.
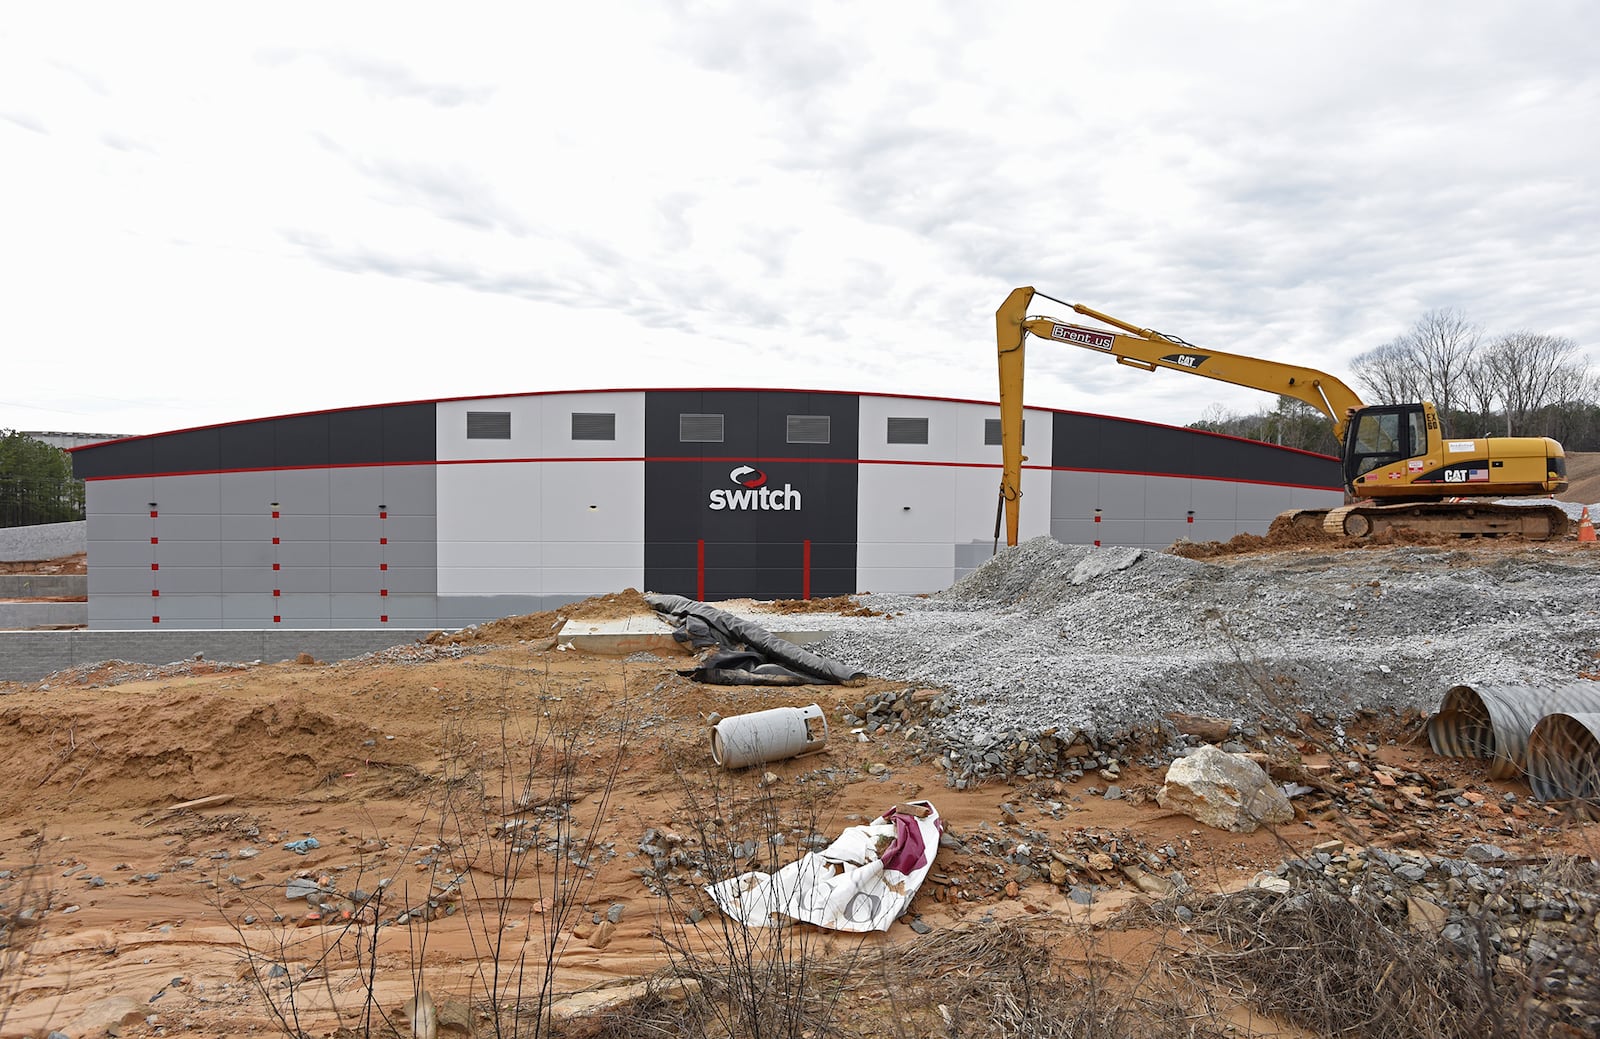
(1385, 434)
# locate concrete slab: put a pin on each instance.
(650, 634)
(641, 633)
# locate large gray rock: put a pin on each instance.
(1223, 790)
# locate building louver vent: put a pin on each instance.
(700, 429)
(809, 429)
(991, 431)
(488, 425)
(594, 425)
(908, 431)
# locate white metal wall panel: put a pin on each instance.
(541, 427)
(911, 517)
(493, 506)
(555, 525)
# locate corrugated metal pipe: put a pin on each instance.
(1564, 758)
(1494, 722)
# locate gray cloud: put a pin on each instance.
(395, 80)
(25, 121)
(384, 78)
(450, 192)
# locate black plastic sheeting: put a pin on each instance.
(749, 653)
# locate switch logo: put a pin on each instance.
(753, 494)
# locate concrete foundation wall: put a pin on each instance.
(43, 541)
(41, 586)
(27, 656)
(25, 615)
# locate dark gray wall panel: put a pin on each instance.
(748, 551)
(1121, 445)
(294, 441)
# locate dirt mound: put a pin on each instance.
(1583, 478)
(844, 605)
(170, 745)
(626, 603)
(537, 627)
(118, 672)
(1284, 533)
(527, 627)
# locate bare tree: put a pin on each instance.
(1529, 372)
(1428, 362)
(1389, 373)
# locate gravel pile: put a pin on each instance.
(1096, 643)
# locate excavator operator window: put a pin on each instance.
(1417, 428)
(1386, 435)
(1377, 441)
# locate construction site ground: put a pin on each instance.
(154, 820)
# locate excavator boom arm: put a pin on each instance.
(1147, 350)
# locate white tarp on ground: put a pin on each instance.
(863, 881)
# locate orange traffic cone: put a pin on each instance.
(1585, 526)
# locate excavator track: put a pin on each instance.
(1464, 518)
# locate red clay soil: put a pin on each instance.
(77, 564)
(154, 809)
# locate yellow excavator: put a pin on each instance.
(1399, 468)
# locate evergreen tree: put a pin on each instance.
(36, 483)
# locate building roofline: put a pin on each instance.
(667, 389)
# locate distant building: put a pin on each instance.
(70, 440)
(450, 512)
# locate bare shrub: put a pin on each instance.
(504, 843)
(753, 982)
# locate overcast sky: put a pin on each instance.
(212, 212)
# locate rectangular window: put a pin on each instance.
(700, 429)
(809, 429)
(908, 431)
(488, 425)
(594, 425)
(991, 431)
